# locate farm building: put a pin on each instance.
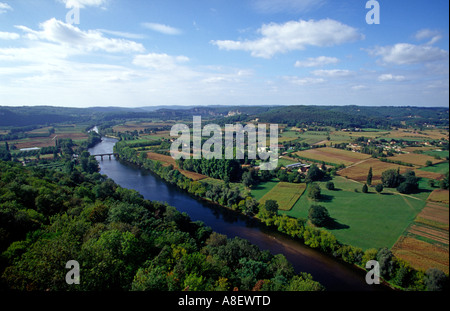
(302, 167)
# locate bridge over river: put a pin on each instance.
(101, 155)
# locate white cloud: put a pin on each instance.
(4, 7)
(161, 28)
(159, 61)
(304, 81)
(390, 77)
(82, 3)
(405, 54)
(317, 61)
(276, 6)
(334, 73)
(123, 34)
(82, 41)
(294, 35)
(424, 34)
(359, 87)
(9, 36)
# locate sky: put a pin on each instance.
(135, 53)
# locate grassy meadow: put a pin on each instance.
(365, 220)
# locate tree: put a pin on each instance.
(365, 189)
(265, 175)
(330, 185)
(247, 179)
(318, 215)
(443, 183)
(314, 192)
(271, 206)
(379, 188)
(385, 258)
(428, 163)
(369, 177)
(410, 183)
(435, 279)
(314, 174)
(391, 178)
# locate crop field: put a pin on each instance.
(415, 158)
(434, 214)
(359, 171)
(48, 141)
(439, 195)
(312, 137)
(333, 155)
(288, 136)
(261, 189)
(348, 136)
(286, 195)
(421, 255)
(429, 232)
(168, 160)
(417, 135)
(425, 243)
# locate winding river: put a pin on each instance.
(333, 274)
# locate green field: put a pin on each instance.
(440, 153)
(260, 190)
(440, 168)
(366, 220)
(286, 195)
(288, 136)
(284, 162)
(312, 137)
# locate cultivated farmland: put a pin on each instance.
(439, 195)
(286, 194)
(415, 158)
(425, 243)
(421, 255)
(333, 155)
(359, 171)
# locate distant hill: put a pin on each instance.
(342, 116)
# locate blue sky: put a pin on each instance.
(238, 52)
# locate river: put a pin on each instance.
(333, 274)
